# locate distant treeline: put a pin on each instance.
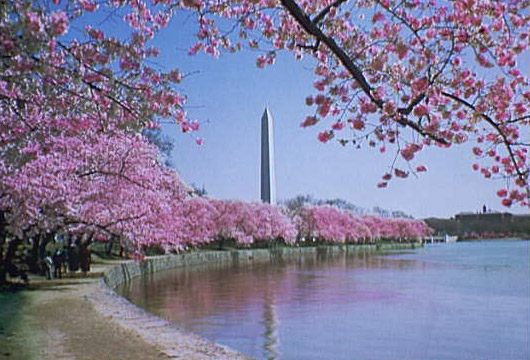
(482, 225)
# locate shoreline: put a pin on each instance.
(84, 318)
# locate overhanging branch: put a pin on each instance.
(312, 29)
(497, 128)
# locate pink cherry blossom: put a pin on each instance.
(400, 173)
(309, 121)
(502, 192)
(325, 136)
(89, 5)
(60, 23)
(358, 124)
(333, 225)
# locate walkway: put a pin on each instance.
(80, 319)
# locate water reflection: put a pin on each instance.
(433, 303)
(271, 322)
(201, 290)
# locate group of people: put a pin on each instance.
(67, 254)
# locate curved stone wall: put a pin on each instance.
(129, 270)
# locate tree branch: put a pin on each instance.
(311, 28)
(497, 128)
(326, 10)
(109, 173)
(406, 111)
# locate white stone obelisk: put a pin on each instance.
(268, 177)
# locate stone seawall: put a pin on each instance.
(129, 270)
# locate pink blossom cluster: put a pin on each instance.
(206, 220)
(71, 110)
(56, 83)
(110, 184)
(330, 224)
(115, 185)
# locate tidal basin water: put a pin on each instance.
(466, 300)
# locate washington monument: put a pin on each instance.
(268, 177)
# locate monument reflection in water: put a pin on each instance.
(453, 301)
(271, 322)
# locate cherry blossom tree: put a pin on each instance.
(207, 220)
(404, 229)
(330, 224)
(250, 222)
(98, 183)
(56, 83)
(71, 110)
(272, 223)
(198, 219)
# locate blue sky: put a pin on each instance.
(228, 96)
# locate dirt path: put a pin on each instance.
(82, 319)
(56, 320)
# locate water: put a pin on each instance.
(453, 301)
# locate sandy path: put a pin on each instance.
(81, 319)
(55, 320)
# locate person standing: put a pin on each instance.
(84, 255)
